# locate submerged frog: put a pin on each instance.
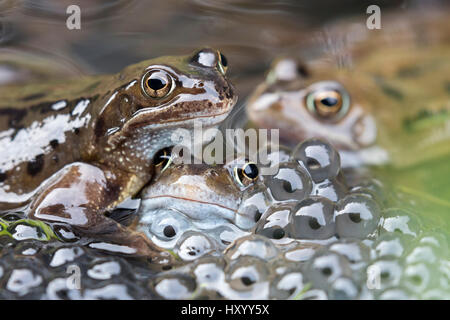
(199, 197)
(385, 99)
(71, 151)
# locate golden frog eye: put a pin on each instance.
(157, 84)
(328, 103)
(246, 174)
(223, 62)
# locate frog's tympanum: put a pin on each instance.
(72, 150)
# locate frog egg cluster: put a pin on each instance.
(32, 269)
(402, 263)
(306, 198)
(304, 234)
(412, 263)
(309, 199)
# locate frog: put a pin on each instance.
(22, 67)
(73, 150)
(398, 77)
(205, 194)
(380, 97)
(218, 201)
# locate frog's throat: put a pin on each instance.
(206, 121)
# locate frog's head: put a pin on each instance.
(198, 197)
(307, 105)
(197, 190)
(158, 96)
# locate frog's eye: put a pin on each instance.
(328, 103)
(223, 62)
(246, 174)
(162, 159)
(157, 84)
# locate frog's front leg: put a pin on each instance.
(72, 195)
(78, 195)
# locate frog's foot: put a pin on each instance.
(118, 239)
(78, 195)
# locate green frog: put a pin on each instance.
(73, 150)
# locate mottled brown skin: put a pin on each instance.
(97, 148)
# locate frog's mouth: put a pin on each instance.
(206, 120)
(193, 208)
(144, 132)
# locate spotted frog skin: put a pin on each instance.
(71, 150)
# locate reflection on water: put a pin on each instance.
(116, 33)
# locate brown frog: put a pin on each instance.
(304, 103)
(70, 151)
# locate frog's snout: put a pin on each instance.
(210, 58)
